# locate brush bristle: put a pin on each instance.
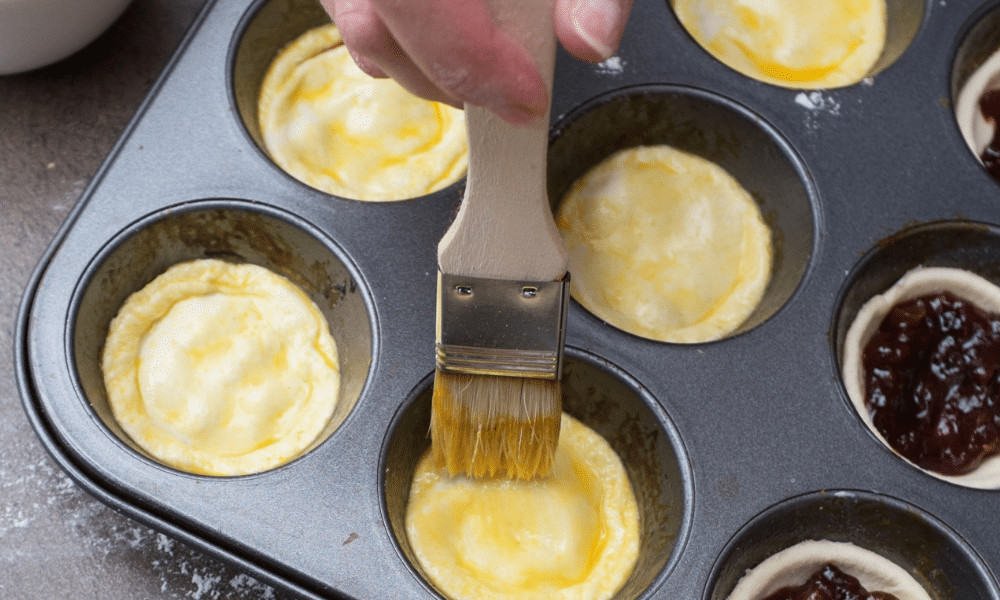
(490, 426)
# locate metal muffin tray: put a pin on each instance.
(735, 448)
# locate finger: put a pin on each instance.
(354, 21)
(459, 48)
(376, 52)
(591, 29)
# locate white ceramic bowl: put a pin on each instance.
(34, 33)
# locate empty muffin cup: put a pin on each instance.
(235, 232)
(606, 400)
(924, 547)
(972, 247)
(704, 126)
(803, 46)
(312, 112)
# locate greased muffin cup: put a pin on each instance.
(733, 447)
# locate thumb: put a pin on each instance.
(591, 29)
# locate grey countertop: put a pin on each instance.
(56, 126)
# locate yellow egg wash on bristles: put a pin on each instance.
(790, 43)
(486, 426)
(574, 534)
(221, 369)
(666, 245)
(333, 127)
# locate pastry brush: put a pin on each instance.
(502, 290)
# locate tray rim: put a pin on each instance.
(24, 380)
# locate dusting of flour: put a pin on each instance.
(612, 66)
(95, 535)
(817, 104)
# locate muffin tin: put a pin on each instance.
(735, 448)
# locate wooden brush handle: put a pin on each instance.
(504, 228)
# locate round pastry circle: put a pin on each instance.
(666, 245)
(977, 131)
(221, 369)
(916, 283)
(805, 45)
(794, 565)
(574, 534)
(333, 127)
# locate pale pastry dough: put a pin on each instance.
(572, 535)
(916, 283)
(791, 43)
(977, 131)
(221, 369)
(794, 565)
(333, 127)
(665, 245)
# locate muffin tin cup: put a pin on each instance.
(927, 549)
(967, 245)
(236, 232)
(719, 130)
(903, 21)
(980, 41)
(754, 419)
(265, 29)
(607, 400)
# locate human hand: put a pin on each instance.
(451, 50)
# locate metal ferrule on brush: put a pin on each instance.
(501, 327)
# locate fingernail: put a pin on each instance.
(368, 67)
(597, 24)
